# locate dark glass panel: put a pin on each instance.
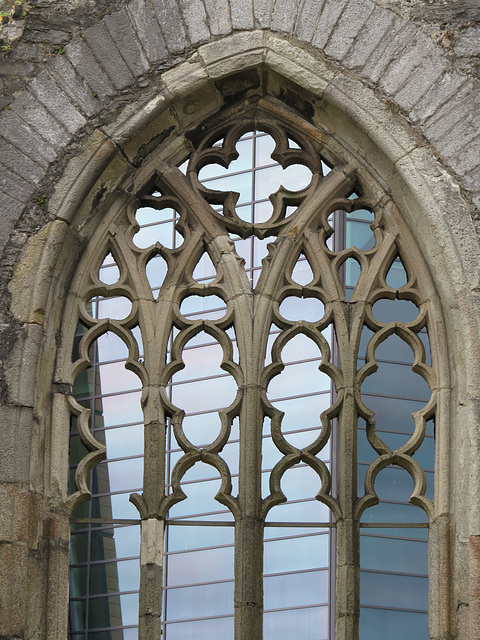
(388, 553)
(359, 234)
(78, 615)
(379, 624)
(78, 581)
(396, 380)
(393, 591)
(394, 310)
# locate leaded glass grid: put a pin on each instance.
(251, 340)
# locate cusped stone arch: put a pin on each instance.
(337, 111)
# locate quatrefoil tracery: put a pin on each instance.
(306, 233)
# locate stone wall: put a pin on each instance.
(89, 88)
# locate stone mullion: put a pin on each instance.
(248, 599)
(348, 529)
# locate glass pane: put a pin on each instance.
(308, 624)
(378, 624)
(200, 566)
(201, 601)
(296, 589)
(294, 554)
(213, 628)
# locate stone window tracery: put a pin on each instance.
(253, 382)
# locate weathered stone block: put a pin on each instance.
(472, 179)
(242, 14)
(263, 10)
(50, 95)
(284, 15)
(185, 78)
(424, 76)
(23, 137)
(86, 65)
(467, 158)
(348, 27)
(19, 163)
(331, 12)
(108, 56)
(222, 57)
(149, 34)
(11, 183)
(401, 69)
(22, 381)
(439, 94)
(35, 114)
(170, 21)
(126, 41)
(218, 16)
(388, 49)
(11, 210)
(196, 20)
(307, 19)
(467, 43)
(80, 175)
(297, 65)
(455, 110)
(370, 36)
(73, 85)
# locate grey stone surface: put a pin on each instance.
(242, 14)
(284, 15)
(62, 71)
(420, 81)
(388, 49)
(34, 113)
(21, 136)
(218, 16)
(19, 163)
(307, 18)
(369, 37)
(459, 107)
(263, 10)
(401, 69)
(467, 43)
(331, 12)
(11, 184)
(108, 56)
(171, 24)
(472, 180)
(50, 95)
(11, 210)
(196, 20)
(466, 159)
(126, 41)
(460, 137)
(441, 92)
(355, 17)
(84, 62)
(146, 25)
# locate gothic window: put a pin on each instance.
(253, 399)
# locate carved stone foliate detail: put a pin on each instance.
(171, 268)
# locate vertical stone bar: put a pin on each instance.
(249, 529)
(348, 530)
(151, 579)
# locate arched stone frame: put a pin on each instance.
(400, 159)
